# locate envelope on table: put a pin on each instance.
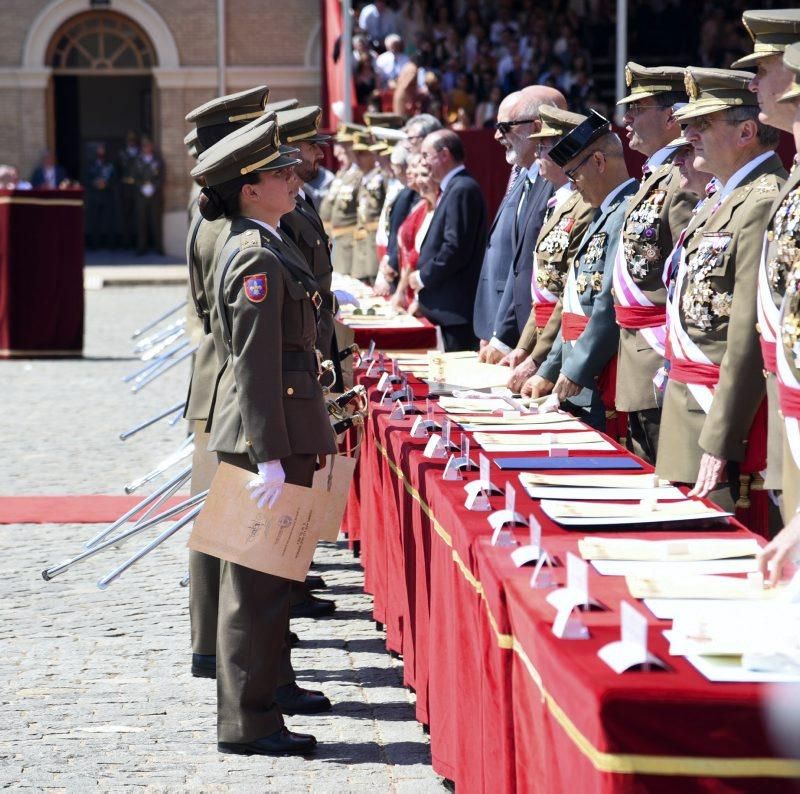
(706, 587)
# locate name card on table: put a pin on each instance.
(447, 429)
(574, 596)
(484, 481)
(452, 470)
(370, 352)
(631, 650)
(542, 578)
(530, 552)
(508, 515)
(434, 449)
(477, 499)
(399, 410)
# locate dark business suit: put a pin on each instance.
(515, 304)
(397, 214)
(496, 264)
(39, 180)
(450, 261)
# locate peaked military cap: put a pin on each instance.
(191, 143)
(712, 90)
(556, 123)
(678, 143)
(772, 31)
(301, 124)
(791, 60)
(391, 120)
(579, 139)
(362, 141)
(281, 105)
(239, 108)
(647, 81)
(256, 149)
(347, 131)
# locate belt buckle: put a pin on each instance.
(316, 299)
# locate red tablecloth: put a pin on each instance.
(511, 707)
(41, 273)
(419, 337)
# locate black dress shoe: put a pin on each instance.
(315, 583)
(282, 742)
(292, 699)
(312, 607)
(293, 639)
(204, 666)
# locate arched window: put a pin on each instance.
(100, 42)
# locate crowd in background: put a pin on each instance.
(456, 59)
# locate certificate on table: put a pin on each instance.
(678, 550)
(550, 421)
(524, 442)
(646, 482)
(714, 588)
(604, 494)
(588, 514)
(280, 540)
(661, 568)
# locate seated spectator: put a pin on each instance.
(364, 77)
(406, 93)
(48, 174)
(462, 96)
(388, 64)
(459, 119)
(486, 112)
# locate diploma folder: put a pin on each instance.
(569, 463)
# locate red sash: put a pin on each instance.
(789, 400)
(636, 317)
(572, 326)
(768, 354)
(381, 251)
(543, 312)
(752, 508)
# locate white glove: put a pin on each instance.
(266, 488)
(344, 298)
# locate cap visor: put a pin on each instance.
(703, 107)
(637, 96)
(792, 94)
(752, 59)
(284, 161)
(678, 143)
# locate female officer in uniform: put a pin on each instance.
(268, 416)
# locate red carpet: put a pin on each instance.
(92, 509)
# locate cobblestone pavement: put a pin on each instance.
(96, 686)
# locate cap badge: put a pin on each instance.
(692, 88)
(628, 76)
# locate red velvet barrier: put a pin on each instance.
(511, 707)
(41, 273)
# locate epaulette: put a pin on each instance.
(250, 238)
(768, 183)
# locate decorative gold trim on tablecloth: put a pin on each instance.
(40, 202)
(617, 763)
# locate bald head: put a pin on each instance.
(518, 118)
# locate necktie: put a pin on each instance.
(512, 179)
(526, 189)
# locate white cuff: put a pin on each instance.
(498, 345)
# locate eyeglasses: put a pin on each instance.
(573, 171)
(504, 127)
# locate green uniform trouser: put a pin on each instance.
(203, 568)
(343, 253)
(252, 651)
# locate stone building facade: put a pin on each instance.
(74, 73)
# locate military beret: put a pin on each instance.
(579, 139)
(256, 149)
(301, 124)
(556, 123)
(772, 32)
(231, 108)
(712, 90)
(791, 60)
(391, 120)
(644, 81)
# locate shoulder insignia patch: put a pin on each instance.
(255, 287)
(251, 238)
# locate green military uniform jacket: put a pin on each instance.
(559, 238)
(371, 195)
(326, 205)
(656, 216)
(344, 204)
(268, 402)
(200, 255)
(304, 227)
(781, 252)
(717, 308)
